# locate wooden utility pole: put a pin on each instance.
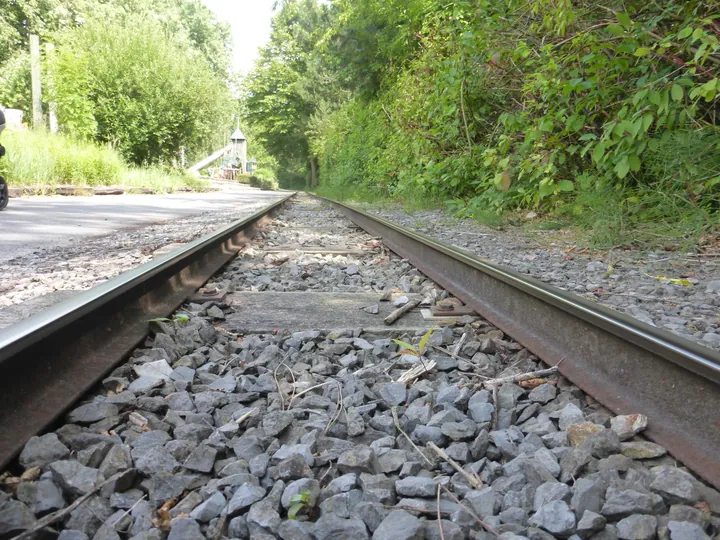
(37, 118)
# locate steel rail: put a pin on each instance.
(50, 360)
(625, 364)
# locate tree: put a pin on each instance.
(135, 87)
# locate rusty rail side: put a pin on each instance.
(50, 360)
(625, 364)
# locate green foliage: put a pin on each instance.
(497, 105)
(133, 87)
(418, 351)
(37, 158)
(299, 502)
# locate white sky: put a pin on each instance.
(250, 23)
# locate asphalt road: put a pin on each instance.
(36, 222)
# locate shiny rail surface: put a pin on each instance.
(48, 361)
(627, 365)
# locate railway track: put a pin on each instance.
(278, 392)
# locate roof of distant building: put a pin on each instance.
(237, 135)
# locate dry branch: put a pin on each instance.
(473, 480)
(518, 378)
(399, 312)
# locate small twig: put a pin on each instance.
(458, 346)
(414, 372)
(277, 383)
(245, 416)
(339, 410)
(129, 510)
(308, 390)
(413, 509)
(221, 527)
(462, 110)
(521, 377)
(456, 356)
(496, 401)
(484, 525)
(399, 312)
(397, 425)
(442, 534)
(57, 516)
(473, 480)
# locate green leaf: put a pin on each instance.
(685, 32)
(622, 168)
(598, 152)
(634, 163)
(647, 121)
(294, 509)
(565, 185)
(406, 345)
(676, 92)
(588, 137)
(642, 51)
(159, 319)
(616, 29)
(298, 497)
(546, 189)
(424, 340)
(624, 19)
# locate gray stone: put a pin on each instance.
(263, 517)
(41, 497)
(675, 486)
(187, 505)
(371, 513)
(549, 492)
(201, 459)
(180, 401)
(426, 434)
(291, 529)
(333, 527)
(358, 460)
(484, 502)
(627, 426)
(556, 518)
(392, 460)
(570, 414)
(392, 394)
(590, 523)
(548, 460)
(459, 431)
(74, 478)
(642, 450)
(39, 451)
(543, 393)
(481, 412)
(89, 516)
(685, 530)
(185, 529)
(621, 504)
(587, 495)
(416, 486)
(15, 517)
(355, 422)
(126, 499)
(400, 525)
(275, 422)
(210, 509)
(293, 467)
(573, 462)
(245, 496)
(117, 460)
(91, 413)
(165, 486)
(69, 534)
(155, 460)
(237, 528)
(450, 530)
(602, 444)
(637, 527)
(304, 486)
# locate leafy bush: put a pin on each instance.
(254, 181)
(135, 87)
(38, 158)
(268, 185)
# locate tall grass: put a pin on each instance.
(39, 159)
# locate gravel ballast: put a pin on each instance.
(624, 280)
(207, 434)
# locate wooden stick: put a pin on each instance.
(399, 312)
(519, 378)
(458, 347)
(397, 425)
(473, 480)
(57, 516)
(414, 372)
(485, 526)
(442, 534)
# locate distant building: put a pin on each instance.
(239, 149)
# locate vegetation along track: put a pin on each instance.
(276, 403)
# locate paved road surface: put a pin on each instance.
(34, 222)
